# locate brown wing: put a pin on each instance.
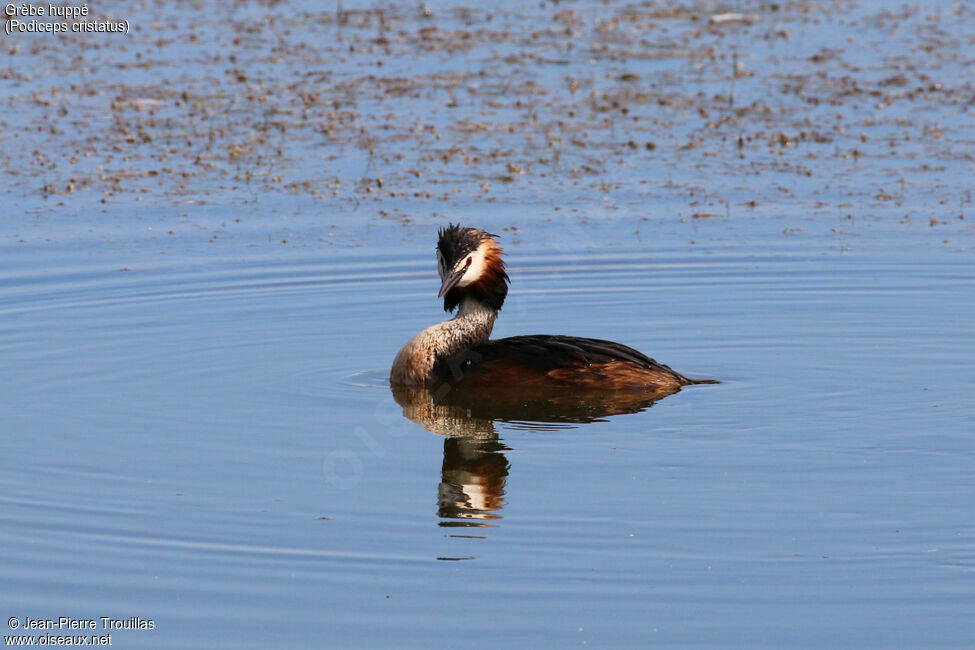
(546, 360)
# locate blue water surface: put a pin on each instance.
(201, 295)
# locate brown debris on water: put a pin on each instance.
(391, 104)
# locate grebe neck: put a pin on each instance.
(473, 323)
(471, 326)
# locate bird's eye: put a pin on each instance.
(468, 262)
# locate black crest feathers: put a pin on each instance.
(491, 288)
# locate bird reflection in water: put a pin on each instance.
(472, 481)
(475, 469)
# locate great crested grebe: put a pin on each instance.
(458, 352)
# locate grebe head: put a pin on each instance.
(470, 266)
